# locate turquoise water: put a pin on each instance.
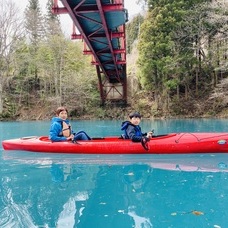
(102, 191)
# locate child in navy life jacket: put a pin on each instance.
(61, 130)
(132, 130)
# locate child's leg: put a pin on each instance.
(81, 135)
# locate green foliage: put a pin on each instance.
(133, 30)
(54, 70)
(171, 84)
(172, 44)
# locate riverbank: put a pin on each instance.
(46, 112)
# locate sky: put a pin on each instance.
(66, 21)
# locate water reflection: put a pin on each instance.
(13, 213)
(64, 172)
(112, 191)
(176, 162)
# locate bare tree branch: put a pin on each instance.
(11, 29)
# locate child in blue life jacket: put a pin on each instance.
(61, 130)
(132, 130)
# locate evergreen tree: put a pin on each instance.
(165, 63)
(34, 25)
(52, 21)
(34, 22)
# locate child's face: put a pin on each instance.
(63, 115)
(135, 120)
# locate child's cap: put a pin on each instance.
(134, 114)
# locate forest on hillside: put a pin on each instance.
(183, 55)
(180, 66)
(39, 66)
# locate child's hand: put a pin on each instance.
(149, 134)
(71, 137)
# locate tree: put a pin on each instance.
(52, 22)
(34, 22)
(156, 47)
(35, 29)
(11, 30)
(66, 76)
(198, 34)
(133, 31)
(171, 47)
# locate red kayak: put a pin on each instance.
(174, 143)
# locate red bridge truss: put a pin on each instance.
(101, 25)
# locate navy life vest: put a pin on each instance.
(124, 127)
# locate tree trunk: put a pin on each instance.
(1, 97)
(186, 91)
(178, 93)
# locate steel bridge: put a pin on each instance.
(101, 25)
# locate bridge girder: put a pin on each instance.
(101, 25)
